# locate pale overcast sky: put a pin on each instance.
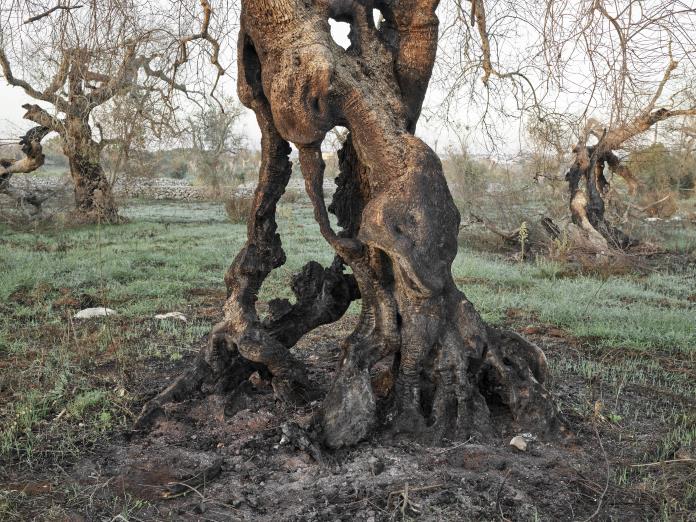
(437, 135)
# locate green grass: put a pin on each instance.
(150, 265)
(629, 311)
(63, 382)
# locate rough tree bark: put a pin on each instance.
(587, 207)
(94, 199)
(453, 375)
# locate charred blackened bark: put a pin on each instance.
(453, 375)
(33, 154)
(588, 187)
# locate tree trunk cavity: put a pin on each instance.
(453, 376)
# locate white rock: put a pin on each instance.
(172, 315)
(90, 313)
(519, 442)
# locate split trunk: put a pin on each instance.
(451, 375)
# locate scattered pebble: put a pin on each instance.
(90, 313)
(519, 442)
(172, 315)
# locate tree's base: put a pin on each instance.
(216, 371)
(95, 217)
(499, 391)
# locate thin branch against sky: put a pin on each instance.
(582, 59)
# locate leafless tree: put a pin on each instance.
(75, 58)
(611, 68)
(214, 140)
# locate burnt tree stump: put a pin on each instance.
(453, 376)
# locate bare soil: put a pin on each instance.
(251, 460)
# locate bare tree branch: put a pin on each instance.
(50, 11)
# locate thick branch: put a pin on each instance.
(478, 12)
(46, 96)
(618, 136)
(124, 77)
(34, 158)
(159, 74)
(42, 117)
(665, 78)
(202, 35)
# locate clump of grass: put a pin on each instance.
(290, 197)
(238, 208)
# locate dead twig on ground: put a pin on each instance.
(497, 498)
(663, 462)
(600, 500)
(511, 236)
(402, 501)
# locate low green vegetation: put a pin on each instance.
(65, 382)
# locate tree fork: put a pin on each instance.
(453, 375)
(587, 206)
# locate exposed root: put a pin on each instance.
(217, 370)
(475, 381)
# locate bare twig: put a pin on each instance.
(688, 461)
(50, 11)
(600, 500)
(497, 497)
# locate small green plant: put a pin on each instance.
(91, 399)
(560, 246)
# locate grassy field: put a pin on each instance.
(66, 384)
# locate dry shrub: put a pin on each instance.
(660, 204)
(238, 208)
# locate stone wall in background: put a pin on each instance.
(157, 188)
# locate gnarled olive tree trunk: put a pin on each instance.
(453, 375)
(94, 199)
(587, 206)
